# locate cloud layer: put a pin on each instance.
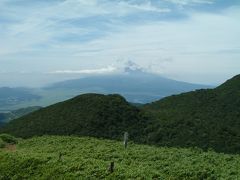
(106, 70)
(186, 40)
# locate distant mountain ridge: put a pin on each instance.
(10, 115)
(135, 85)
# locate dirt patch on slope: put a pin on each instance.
(10, 147)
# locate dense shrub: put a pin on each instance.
(6, 138)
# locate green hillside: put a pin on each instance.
(56, 157)
(90, 114)
(204, 118)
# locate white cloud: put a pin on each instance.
(146, 6)
(189, 2)
(109, 69)
(40, 25)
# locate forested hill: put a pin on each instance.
(207, 118)
(204, 118)
(105, 116)
(231, 85)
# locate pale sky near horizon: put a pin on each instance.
(190, 40)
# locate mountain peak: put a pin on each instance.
(133, 68)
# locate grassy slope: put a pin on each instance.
(89, 158)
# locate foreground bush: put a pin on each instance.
(6, 138)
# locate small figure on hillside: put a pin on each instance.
(111, 167)
(60, 156)
(125, 141)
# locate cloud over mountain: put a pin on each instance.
(75, 35)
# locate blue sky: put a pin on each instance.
(190, 40)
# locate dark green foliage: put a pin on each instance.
(231, 85)
(2, 143)
(204, 118)
(9, 139)
(90, 114)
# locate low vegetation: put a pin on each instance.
(6, 139)
(63, 157)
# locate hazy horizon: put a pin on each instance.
(42, 42)
(40, 80)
